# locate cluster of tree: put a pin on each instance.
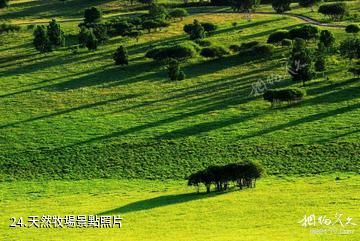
(46, 38)
(6, 28)
(335, 11)
(92, 31)
(289, 95)
(350, 49)
(309, 3)
(241, 174)
(306, 32)
(179, 52)
(281, 6)
(244, 5)
(197, 30)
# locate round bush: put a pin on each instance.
(352, 28)
(213, 52)
(278, 36)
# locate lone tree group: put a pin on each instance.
(240, 174)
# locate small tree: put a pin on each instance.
(41, 40)
(92, 15)
(91, 42)
(4, 3)
(178, 13)
(352, 28)
(309, 3)
(56, 35)
(83, 36)
(300, 63)
(174, 71)
(198, 31)
(149, 25)
(320, 61)
(327, 38)
(281, 6)
(121, 56)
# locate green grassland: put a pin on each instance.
(69, 115)
(154, 210)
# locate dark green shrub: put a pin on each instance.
(209, 27)
(350, 48)
(327, 38)
(306, 32)
(91, 41)
(92, 15)
(278, 36)
(179, 52)
(335, 11)
(55, 34)
(281, 6)
(198, 31)
(280, 95)
(352, 28)
(121, 56)
(41, 40)
(213, 52)
(256, 50)
(179, 13)
(174, 71)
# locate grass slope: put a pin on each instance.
(169, 210)
(79, 116)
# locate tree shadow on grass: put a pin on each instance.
(157, 202)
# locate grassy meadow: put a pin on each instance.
(79, 114)
(154, 210)
(80, 135)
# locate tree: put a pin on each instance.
(300, 62)
(55, 34)
(4, 3)
(244, 5)
(157, 11)
(350, 48)
(336, 11)
(149, 24)
(179, 13)
(41, 40)
(280, 95)
(91, 41)
(320, 61)
(352, 28)
(174, 71)
(92, 15)
(83, 36)
(327, 38)
(198, 31)
(309, 3)
(281, 6)
(209, 27)
(121, 56)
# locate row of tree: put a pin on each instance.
(241, 174)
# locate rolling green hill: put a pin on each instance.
(77, 115)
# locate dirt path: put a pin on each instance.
(299, 16)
